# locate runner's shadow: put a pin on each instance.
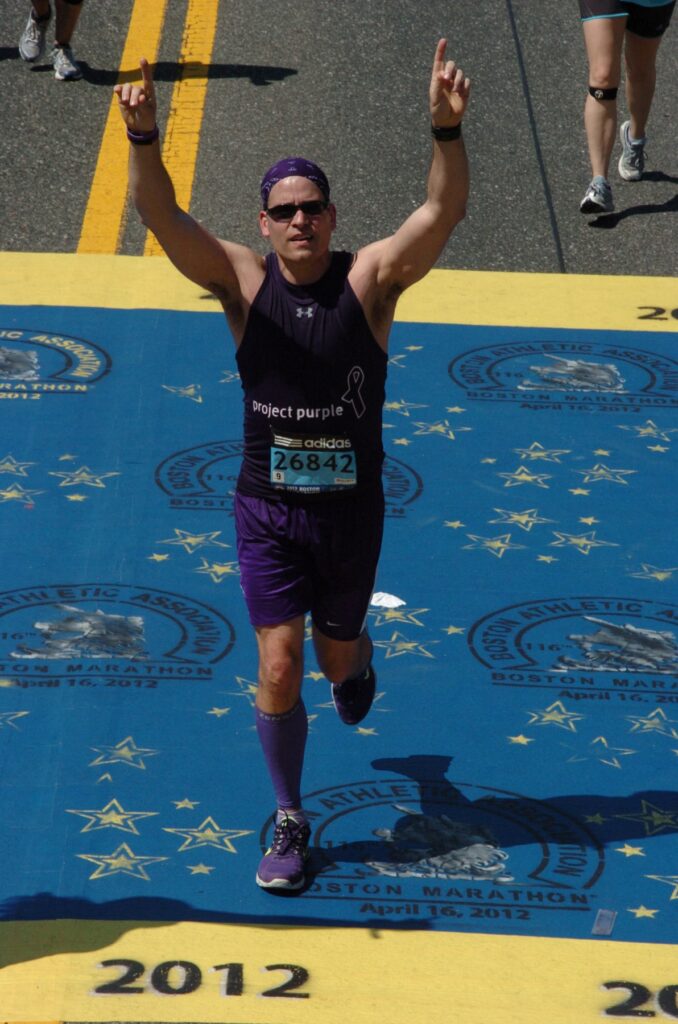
(442, 827)
(172, 71)
(659, 176)
(611, 220)
(45, 925)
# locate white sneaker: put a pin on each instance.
(32, 42)
(66, 68)
(632, 160)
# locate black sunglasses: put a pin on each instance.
(286, 211)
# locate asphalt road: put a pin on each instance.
(346, 84)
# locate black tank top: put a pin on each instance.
(313, 378)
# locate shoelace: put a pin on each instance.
(289, 836)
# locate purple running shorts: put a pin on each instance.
(321, 557)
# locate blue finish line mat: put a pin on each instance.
(499, 839)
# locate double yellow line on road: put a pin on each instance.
(105, 215)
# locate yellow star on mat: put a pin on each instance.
(595, 819)
(657, 721)
(522, 475)
(402, 407)
(75, 497)
(667, 880)
(83, 477)
(209, 834)
(487, 462)
(248, 689)
(388, 615)
(219, 712)
(556, 714)
(650, 429)
(158, 558)
(403, 442)
(399, 645)
(537, 451)
(315, 676)
(440, 429)
(112, 816)
(121, 862)
(67, 458)
(611, 759)
(8, 718)
(653, 572)
(588, 520)
(454, 630)
(602, 452)
(218, 571)
(185, 804)
(602, 472)
(577, 491)
(547, 558)
(124, 752)
(582, 542)
(191, 391)
(455, 524)
(521, 741)
(9, 464)
(15, 492)
(496, 546)
(653, 818)
(457, 409)
(362, 731)
(192, 542)
(642, 911)
(229, 377)
(525, 520)
(658, 448)
(630, 851)
(199, 869)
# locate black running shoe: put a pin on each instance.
(353, 698)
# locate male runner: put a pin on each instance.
(311, 327)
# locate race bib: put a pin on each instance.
(312, 463)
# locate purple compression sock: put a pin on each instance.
(283, 741)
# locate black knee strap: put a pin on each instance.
(602, 94)
(74, 3)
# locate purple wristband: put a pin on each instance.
(143, 138)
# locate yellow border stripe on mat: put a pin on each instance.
(105, 214)
(182, 135)
(575, 302)
(351, 974)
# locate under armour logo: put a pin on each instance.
(304, 311)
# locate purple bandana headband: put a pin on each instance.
(297, 167)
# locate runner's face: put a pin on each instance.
(305, 236)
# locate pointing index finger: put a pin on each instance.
(146, 77)
(440, 54)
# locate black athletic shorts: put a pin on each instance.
(649, 22)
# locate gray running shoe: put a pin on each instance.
(598, 198)
(32, 42)
(632, 160)
(66, 68)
